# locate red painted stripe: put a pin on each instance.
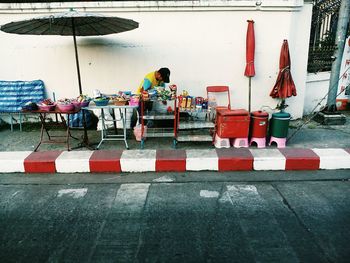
(171, 161)
(41, 162)
(105, 161)
(301, 159)
(235, 159)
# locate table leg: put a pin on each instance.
(42, 120)
(42, 117)
(114, 122)
(68, 133)
(41, 137)
(85, 142)
(123, 118)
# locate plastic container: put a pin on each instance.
(232, 123)
(258, 124)
(65, 107)
(101, 102)
(120, 102)
(279, 124)
(134, 101)
(84, 103)
(47, 107)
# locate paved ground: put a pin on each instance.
(312, 135)
(275, 221)
(273, 216)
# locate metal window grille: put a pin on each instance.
(323, 31)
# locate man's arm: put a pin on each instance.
(146, 84)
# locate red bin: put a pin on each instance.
(232, 123)
(258, 124)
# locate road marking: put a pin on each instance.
(234, 191)
(131, 197)
(75, 193)
(209, 194)
(164, 178)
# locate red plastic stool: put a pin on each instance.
(260, 142)
(221, 142)
(240, 142)
(281, 142)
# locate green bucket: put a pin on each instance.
(279, 124)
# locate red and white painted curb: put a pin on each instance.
(116, 161)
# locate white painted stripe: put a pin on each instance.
(164, 179)
(268, 159)
(13, 162)
(209, 194)
(138, 161)
(73, 162)
(74, 193)
(131, 198)
(240, 193)
(333, 158)
(199, 160)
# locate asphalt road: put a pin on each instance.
(170, 218)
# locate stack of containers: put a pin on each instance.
(279, 128)
(233, 124)
(258, 128)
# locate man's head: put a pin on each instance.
(164, 74)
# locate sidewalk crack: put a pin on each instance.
(302, 224)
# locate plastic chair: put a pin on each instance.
(221, 142)
(220, 89)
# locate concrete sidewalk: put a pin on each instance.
(313, 147)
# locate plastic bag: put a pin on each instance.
(137, 132)
(76, 120)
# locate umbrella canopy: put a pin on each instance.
(250, 50)
(71, 23)
(284, 86)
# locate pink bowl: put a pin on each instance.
(65, 107)
(76, 103)
(84, 103)
(46, 107)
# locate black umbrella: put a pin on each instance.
(71, 23)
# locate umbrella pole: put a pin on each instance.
(76, 56)
(250, 92)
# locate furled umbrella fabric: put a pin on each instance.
(284, 86)
(250, 50)
(71, 23)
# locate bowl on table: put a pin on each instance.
(44, 107)
(120, 102)
(84, 103)
(65, 107)
(101, 102)
(79, 104)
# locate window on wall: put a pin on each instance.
(323, 31)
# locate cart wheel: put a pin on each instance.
(142, 144)
(174, 143)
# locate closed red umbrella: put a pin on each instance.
(250, 50)
(284, 86)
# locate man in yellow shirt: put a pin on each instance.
(151, 80)
(154, 79)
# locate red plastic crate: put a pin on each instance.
(232, 123)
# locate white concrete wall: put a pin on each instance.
(317, 85)
(202, 42)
